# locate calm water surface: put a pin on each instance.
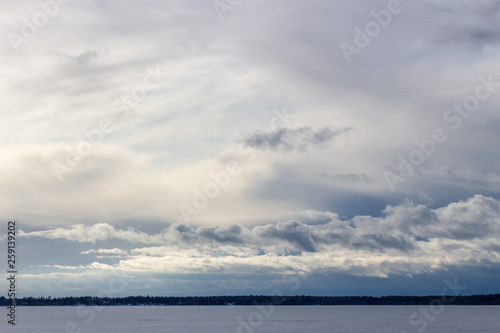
(246, 319)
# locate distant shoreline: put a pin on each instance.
(246, 300)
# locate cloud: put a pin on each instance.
(293, 232)
(105, 251)
(82, 58)
(231, 234)
(408, 238)
(94, 233)
(61, 267)
(158, 157)
(474, 24)
(293, 139)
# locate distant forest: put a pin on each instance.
(254, 300)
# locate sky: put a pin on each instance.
(235, 147)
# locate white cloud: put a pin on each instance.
(96, 232)
(105, 251)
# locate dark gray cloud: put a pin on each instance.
(475, 23)
(293, 232)
(185, 233)
(293, 139)
(189, 235)
(384, 241)
(82, 58)
(231, 234)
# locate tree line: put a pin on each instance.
(493, 299)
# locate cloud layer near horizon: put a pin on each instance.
(407, 239)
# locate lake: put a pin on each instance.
(246, 319)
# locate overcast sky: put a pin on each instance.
(247, 147)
